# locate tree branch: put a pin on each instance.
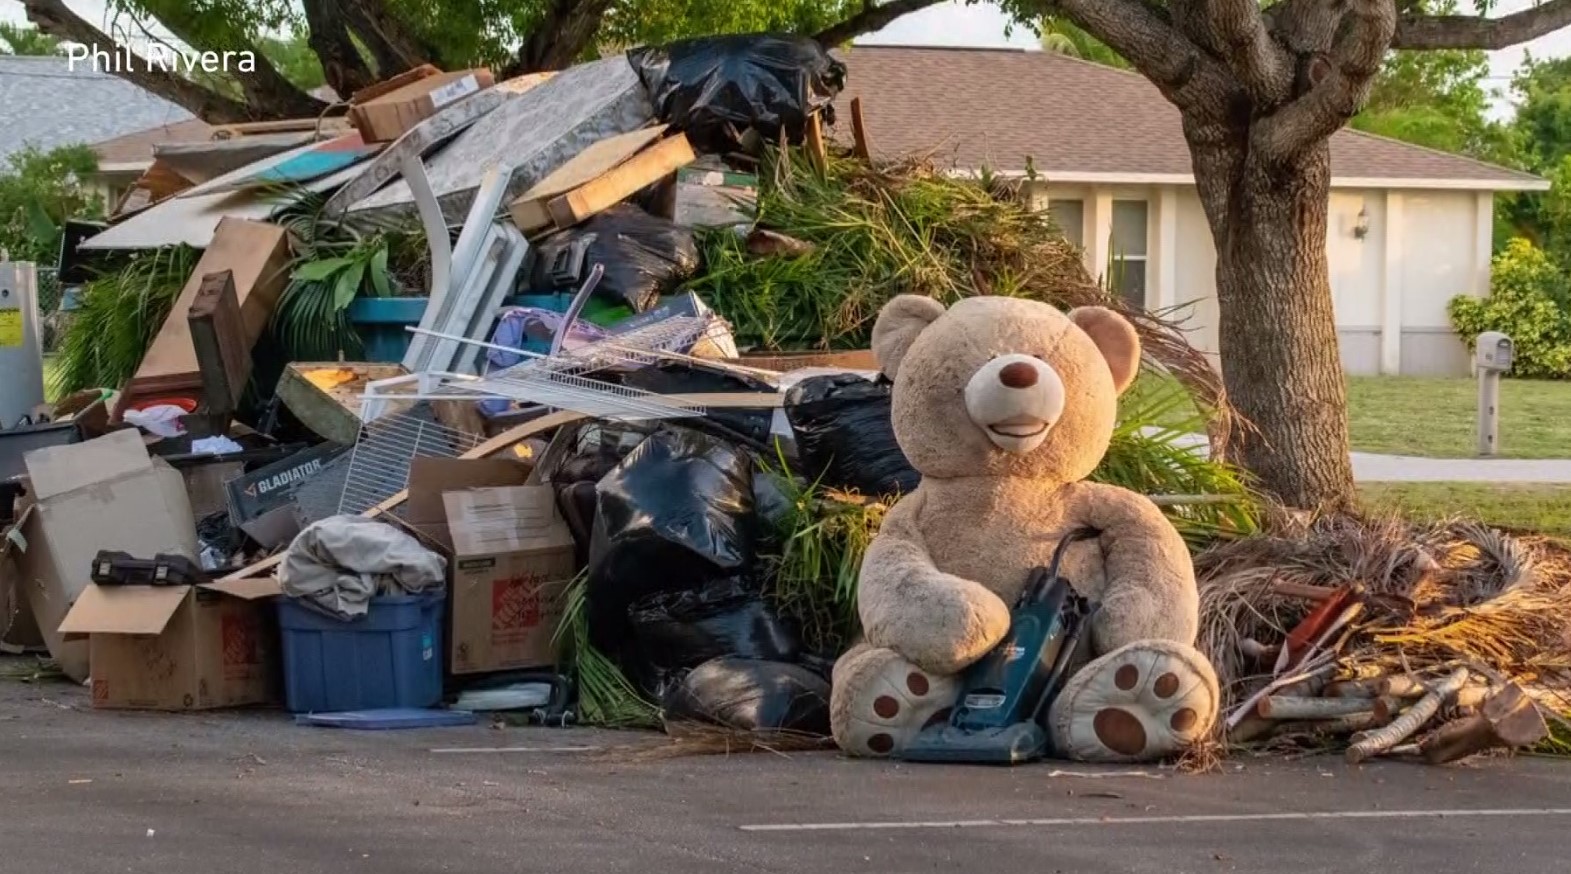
(563, 34)
(268, 94)
(393, 46)
(343, 68)
(1261, 66)
(871, 18)
(1191, 80)
(52, 17)
(1477, 32)
(1338, 84)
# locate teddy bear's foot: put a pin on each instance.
(879, 701)
(1141, 702)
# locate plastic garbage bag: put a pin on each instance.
(679, 378)
(844, 436)
(751, 695)
(674, 515)
(644, 255)
(716, 88)
(674, 630)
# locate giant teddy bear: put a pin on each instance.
(1005, 406)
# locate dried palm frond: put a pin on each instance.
(700, 739)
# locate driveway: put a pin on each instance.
(250, 793)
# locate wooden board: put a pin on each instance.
(218, 338)
(864, 149)
(530, 210)
(647, 167)
(513, 436)
(334, 413)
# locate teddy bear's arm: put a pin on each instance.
(938, 621)
(1150, 580)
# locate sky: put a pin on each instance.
(984, 24)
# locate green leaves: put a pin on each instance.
(1530, 300)
(320, 271)
(347, 286)
(38, 191)
(312, 319)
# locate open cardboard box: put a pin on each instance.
(178, 647)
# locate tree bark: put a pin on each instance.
(343, 68)
(393, 46)
(1277, 330)
(565, 32)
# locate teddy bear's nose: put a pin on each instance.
(1017, 375)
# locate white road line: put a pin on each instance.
(1158, 820)
(516, 750)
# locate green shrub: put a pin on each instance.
(1530, 301)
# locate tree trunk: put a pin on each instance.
(1277, 331)
(342, 67)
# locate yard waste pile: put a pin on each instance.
(613, 458)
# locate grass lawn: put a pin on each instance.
(1437, 417)
(1544, 508)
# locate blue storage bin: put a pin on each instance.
(390, 658)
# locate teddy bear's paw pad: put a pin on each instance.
(1143, 702)
(890, 701)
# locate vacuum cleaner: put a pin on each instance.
(998, 716)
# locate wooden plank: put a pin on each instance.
(257, 255)
(513, 436)
(647, 167)
(859, 131)
(817, 152)
(530, 210)
(218, 339)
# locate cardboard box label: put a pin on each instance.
(242, 645)
(446, 94)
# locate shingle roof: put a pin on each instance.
(995, 107)
(47, 104)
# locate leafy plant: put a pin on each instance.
(1529, 300)
(605, 696)
(39, 190)
(334, 263)
(120, 313)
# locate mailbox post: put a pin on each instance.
(1493, 356)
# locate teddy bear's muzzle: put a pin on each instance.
(1015, 400)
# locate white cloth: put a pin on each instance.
(338, 564)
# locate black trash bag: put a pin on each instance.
(751, 695)
(716, 88)
(676, 378)
(675, 514)
(644, 255)
(844, 436)
(774, 507)
(674, 630)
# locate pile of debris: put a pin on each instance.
(1384, 637)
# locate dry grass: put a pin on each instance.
(698, 739)
(1438, 595)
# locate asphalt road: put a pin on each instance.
(251, 793)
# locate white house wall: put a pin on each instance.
(1389, 288)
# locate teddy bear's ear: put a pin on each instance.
(898, 323)
(1117, 339)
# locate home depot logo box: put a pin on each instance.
(512, 562)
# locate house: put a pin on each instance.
(48, 104)
(122, 160)
(1409, 228)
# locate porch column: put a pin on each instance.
(1391, 287)
(1483, 242)
(1099, 231)
(1166, 254)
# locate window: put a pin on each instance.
(1069, 216)
(1128, 251)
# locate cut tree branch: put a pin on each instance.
(1477, 32)
(873, 17)
(342, 66)
(567, 29)
(52, 17)
(1261, 66)
(1191, 80)
(1338, 84)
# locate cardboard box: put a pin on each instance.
(425, 511)
(512, 562)
(178, 647)
(386, 117)
(106, 493)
